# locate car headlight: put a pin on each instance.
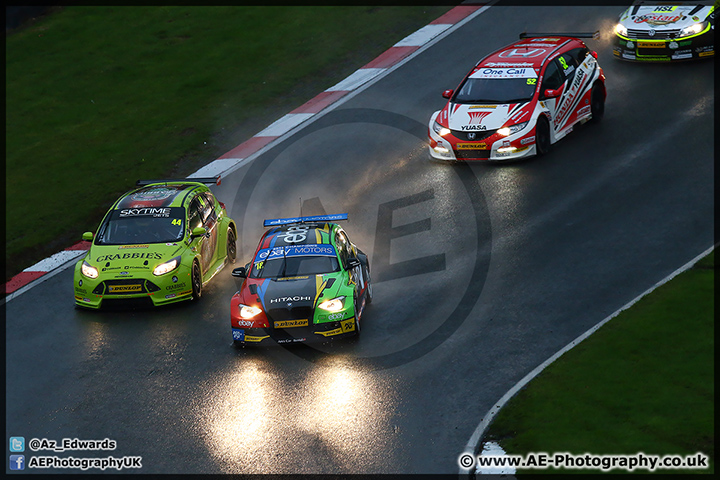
(620, 29)
(166, 267)
(249, 311)
(88, 270)
(505, 131)
(334, 305)
(439, 129)
(692, 29)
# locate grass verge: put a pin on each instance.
(644, 382)
(100, 96)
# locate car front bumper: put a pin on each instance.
(663, 50)
(450, 149)
(172, 287)
(320, 332)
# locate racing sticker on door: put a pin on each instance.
(209, 244)
(574, 93)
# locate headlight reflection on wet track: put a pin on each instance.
(330, 417)
(237, 415)
(96, 340)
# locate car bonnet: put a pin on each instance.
(472, 118)
(664, 17)
(128, 261)
(291, 292)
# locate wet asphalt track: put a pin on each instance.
(481, 273)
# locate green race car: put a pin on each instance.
(159, 243)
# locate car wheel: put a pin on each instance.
(597, 104)
(196, 277)
(357, 318)
(366, 275)
(368, 293)
(542, 136)
(231, 246)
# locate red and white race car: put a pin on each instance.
(519, 100)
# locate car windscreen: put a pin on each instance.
(498, 85)
(131, 226)
(293, 261)
(486, 90)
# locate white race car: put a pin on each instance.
(519, 100)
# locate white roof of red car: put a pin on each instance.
(528, 52)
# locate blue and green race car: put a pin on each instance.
(159, 243)
(306, 282)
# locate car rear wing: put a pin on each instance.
(206, 180)
(272, 222)
(594, 35)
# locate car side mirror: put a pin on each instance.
(550, 93)
(239, 272)
(447, 93)
(353, 262)
(198, 232)
(88, 236)
(594, 54)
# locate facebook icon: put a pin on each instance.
(17, 462)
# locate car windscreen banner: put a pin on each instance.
(163, 212)
(295, 251)
(514, 72)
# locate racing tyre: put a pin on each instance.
(352, 339)
(542, 136)
(231, 246)
(196, 278)
(368, 295)
(368, 280)
(357, 319)
(597, 104)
